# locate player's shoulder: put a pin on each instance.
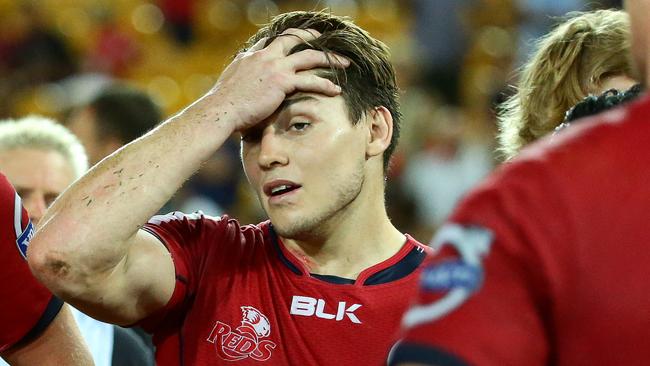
(570, 153)
(224, 226)
(605, 133)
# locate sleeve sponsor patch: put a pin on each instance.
(452, 278)
(23, 240)
(451, 274)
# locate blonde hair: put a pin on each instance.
(570, 63)
(43, 133)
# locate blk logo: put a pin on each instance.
(247, 341)
(309, 306)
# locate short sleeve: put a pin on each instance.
(26, 306)
(189, 238)
(485, 297)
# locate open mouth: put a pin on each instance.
(277, 189)
(280, 190)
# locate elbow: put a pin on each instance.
(46, 266)
(53, 269)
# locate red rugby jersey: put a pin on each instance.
(26, 307)
(548, 261)
(242, 299)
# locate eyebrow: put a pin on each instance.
(288, 102)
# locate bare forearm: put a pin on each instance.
(89, 226)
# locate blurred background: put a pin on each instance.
(454, 62)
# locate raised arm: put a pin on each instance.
(90, 250)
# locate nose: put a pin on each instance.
(272, 151)
(35, 206)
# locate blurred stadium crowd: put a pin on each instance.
(454, 59)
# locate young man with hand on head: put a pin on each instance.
(323, 282)
(546, 261)
(36, 328)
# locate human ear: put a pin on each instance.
(380, 128)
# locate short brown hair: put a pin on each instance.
(367, 83)
(570, 62)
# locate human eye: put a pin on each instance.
(299, 125)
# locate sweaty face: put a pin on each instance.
(39, 176)
(305, 162)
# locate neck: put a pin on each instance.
(357, 237)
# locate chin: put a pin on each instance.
(286, 228)
(296, 228)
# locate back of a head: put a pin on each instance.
(570, 62)
(124, 112)
(43, 133)
(367, 83)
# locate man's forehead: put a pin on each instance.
(298, 97)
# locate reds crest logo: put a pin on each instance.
(245, 341)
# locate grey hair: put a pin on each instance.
(43, 133)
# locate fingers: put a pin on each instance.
(311, 83)
(310, 59)
(291, 38)
(258, 45)
(303, 60)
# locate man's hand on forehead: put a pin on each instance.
(259, 79)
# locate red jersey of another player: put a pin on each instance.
(26, 307)
(548, 262)
(241, 298)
